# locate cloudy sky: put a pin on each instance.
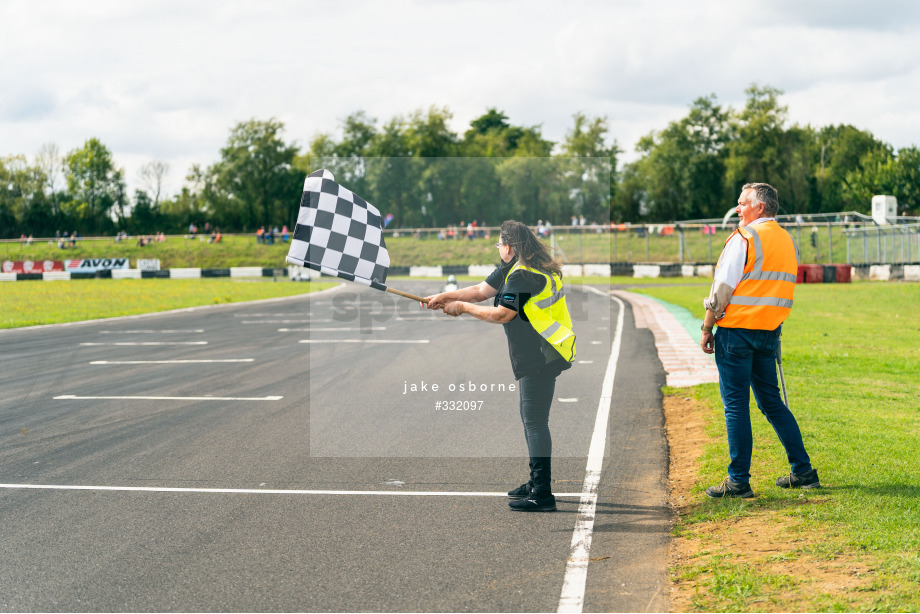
(165, 80)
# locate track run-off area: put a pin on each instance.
(337, 451)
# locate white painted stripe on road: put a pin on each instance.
(143, 398)
(149, 332)
(268, 491)
(150, 343)
(575, 400)
(166, 362)
(269, 315)
(279, 321)
(586, 362)
(364, 341)
(572, 597)
(329, 330)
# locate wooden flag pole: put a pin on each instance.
(407, 295)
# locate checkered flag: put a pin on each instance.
(339, 233)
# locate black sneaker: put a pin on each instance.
(521, 491)
(809, 479)
(534, 503)
(730, 489)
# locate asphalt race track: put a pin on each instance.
(272, 456)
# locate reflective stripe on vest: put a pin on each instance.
(763, 297)
(549, 314)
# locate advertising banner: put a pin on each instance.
(148, 264)
(30, 266)
(91, 265)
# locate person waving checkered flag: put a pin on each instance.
(339, 233)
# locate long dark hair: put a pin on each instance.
(528, 248)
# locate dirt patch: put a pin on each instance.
(786, 567)
(685, 425)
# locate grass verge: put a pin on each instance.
(851, 355)
(407, 250)
(29, 303)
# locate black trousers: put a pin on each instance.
(536, 397)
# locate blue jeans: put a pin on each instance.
(747, 359)
(536, 399)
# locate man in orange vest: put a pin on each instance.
(751, 296)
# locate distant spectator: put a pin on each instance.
(260, 234)
(207, 227)
(285, 234)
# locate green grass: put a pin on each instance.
(406, 250)
(574, 279)
(175, 252)
(29, 303)
(851, 355)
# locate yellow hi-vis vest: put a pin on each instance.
(548, 313)
(763, 298)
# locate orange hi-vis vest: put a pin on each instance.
(763, 298)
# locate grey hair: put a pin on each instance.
(766, 194)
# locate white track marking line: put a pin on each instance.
(166, 362)
(150, 343)
(572, 597)
(149, 332)
(268, 491)
(364, 341)
(269, 315)
(596, 291)
(68, 397)
(329, 330)
(283, 321)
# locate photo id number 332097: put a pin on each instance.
(458, 405)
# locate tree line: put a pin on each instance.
(420, 173)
